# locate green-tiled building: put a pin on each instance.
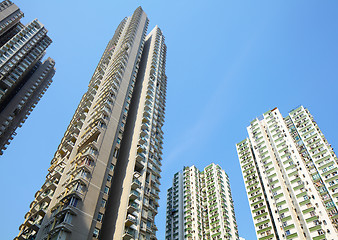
(290, 174)
(200, 205)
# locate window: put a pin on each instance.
(68, 218)
(109, 178)
(73, 201)
(116, 152)
(106, 190)
(103, 203)
(87, 161)
(99, 217)
(96, 233)
(112, 167)
(102, 125)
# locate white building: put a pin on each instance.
(200, 206)
(290, 174)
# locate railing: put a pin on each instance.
(130, 232)
(136, 181)
(134, 204)
(136, 193)
(132, 218)
(142, 156)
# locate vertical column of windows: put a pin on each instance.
(319, 159)
(254, 187)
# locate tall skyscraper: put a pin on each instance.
(104, 178)
(200, 205)
(23, 77)
(290, 174)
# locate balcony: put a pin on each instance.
(149, 101)
(143, 140)
(155, 228)
(56, 172)
(70, 209)
(155, 193)
(144, 133)
(90, 152)
(140, 157)
(62, 226)
(146, 117)
(82, 177)
(147, 114)
(48, 185)
(63, 151)
(77, 180)
(45, 196)
(153, 207)
(75, 129)
(89, 135)
(158, 162)
(132, 207)
(147, 108)
(145, 126)
(155, 185)
(130, 220)
(135, 184)
(85, 165)
(154, 170)
(80, 122)
(147, 111)
(142, 149)
(134, 194)
(74, 192)
(150, 94)
(128, 234)
(149, 104)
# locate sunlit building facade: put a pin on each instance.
(200, 205)
(24, 77)
(103, 182)
(290, 174)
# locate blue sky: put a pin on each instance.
(228, 62)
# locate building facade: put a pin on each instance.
(290, 174)
(103, 182)
(200, 205)
(24, 78)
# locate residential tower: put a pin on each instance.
(103, 182)
(290, 174)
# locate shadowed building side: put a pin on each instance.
(133, 206)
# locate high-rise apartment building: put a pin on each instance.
(200, 205)
(103, 182)
(24, 78)
(290, 174)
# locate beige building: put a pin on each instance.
(103, 182)
(290, 174)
